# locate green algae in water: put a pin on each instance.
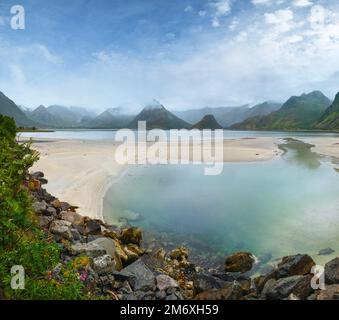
(282, 207)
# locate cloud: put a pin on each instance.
(189, 8)
(302, 3)
(221, 8)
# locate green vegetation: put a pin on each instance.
(330, 119)
(297, 113)
(21, 240)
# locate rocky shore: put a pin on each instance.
(112, 263)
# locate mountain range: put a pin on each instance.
(297, 113)
(311, 111)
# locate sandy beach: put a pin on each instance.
(81, 171)
(326, 146)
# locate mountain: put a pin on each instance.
(158, 117)
(207, 122)
(330, 119)
(9, 108)
(228, 116)
(43, 116)
(298, 112)
(113, 118)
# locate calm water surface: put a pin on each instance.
(278, 207)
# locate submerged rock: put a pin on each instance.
(325, 252)
(239, 262)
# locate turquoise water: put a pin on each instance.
(280, 207)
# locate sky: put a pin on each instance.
(185, 53)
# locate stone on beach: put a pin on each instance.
(332, 271)
(239, 262)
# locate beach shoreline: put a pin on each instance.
(82, 171)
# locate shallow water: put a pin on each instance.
(278, 207)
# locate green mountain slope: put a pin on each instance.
(330, 119)
(298, 112)
(110, 119)
(10, 109)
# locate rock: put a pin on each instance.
(61, 228)
(325, 252)
(44, 221)
(165, 282)
(103, 264)
(299, 264)
(131, 235)
(139, 276)
(90, 249)
(50, 211)
(56, 204)
(260, 281)
(39, 207)
(75, 234)
(160, 295)
(34, 184)
(92, 227)
(106, 243)
(37, 175)
(330, 293)
(72, 217)
(203, 282)
(280, 289)
(179, 254)
(231, 291)
(239, 262)
(332, 271)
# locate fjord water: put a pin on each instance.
(279, 207)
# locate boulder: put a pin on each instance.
(139, 276)
(230, 291)
(92, 227)
(131, 235)
(260, 281)
(299, 286)
(39, 207)
(330, 293)
(50, 211)
(90, 249)
(37, 175)
(103, 264)
(332, 271)
(165, 282)
(72, 217)
(325, 252)
(239, 262)
(44, 221)
(299, 264)
(203, 282)
(61, 228)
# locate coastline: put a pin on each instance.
(82, 171)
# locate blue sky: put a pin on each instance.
(187, 54)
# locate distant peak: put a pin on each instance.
(154, 105)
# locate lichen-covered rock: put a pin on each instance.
(299, 264)
(103, 264)
(280, 289)
(332, 271)
(87, 249)
(39, 207)
(61, 228)
(239, 262)
(131, 235)
(165, 282)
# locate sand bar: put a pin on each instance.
(81, 171)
